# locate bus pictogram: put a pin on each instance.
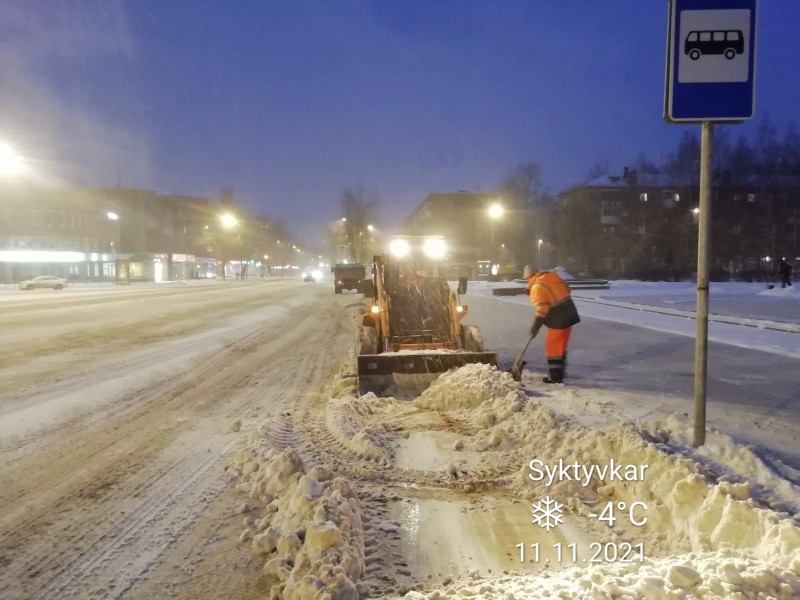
(726, 42)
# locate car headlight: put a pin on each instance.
(434, 248)
(399, 248)
(316, 274)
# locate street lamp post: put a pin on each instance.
(539, 255)
(495, 212)
(229, 221)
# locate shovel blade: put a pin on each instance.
(516, 371)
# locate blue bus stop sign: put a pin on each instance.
(711, 61)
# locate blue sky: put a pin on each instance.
(292, 101)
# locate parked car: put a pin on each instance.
(44, 281)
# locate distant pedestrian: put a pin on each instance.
(785, 270)
(554, 308)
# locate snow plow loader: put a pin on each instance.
(412, 330)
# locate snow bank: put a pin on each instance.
(310, 531)
(467, 387)
(712, 537)
(732, 460)
(346, 418)
(701, 576)
(686, 511)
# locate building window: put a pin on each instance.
(751, 197)
(48, 219)
(736, 230)
(136, 269)
(642, 230)
(610, 208)
(608, 229)
(609, 262)
(37, 218)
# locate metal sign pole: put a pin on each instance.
(701, 338)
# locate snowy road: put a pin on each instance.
(205, 441)
(114, 430)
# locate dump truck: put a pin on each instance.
(348, 276)
(411, 330)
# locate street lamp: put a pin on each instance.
(112, 216)
(11, 163)
(495, 212)
(228, 220)
(539, 255)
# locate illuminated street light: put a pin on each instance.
(539, 256)
(228, 220)
(495, 212)
(370, 228)
(696, 210)
(11, 163)
(113, 216)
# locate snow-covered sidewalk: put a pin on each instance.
(735, 327)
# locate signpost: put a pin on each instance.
(711, 54)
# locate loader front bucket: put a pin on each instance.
(376, 372)
(412, 364)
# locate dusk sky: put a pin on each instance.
(290, 102)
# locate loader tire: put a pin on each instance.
(368, 342)
(473, 341)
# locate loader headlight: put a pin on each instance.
(459, 308)
(399, 248)
(434, 248)
(375, 309)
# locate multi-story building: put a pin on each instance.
(66, 232)
(645, 225)
(170, 231)
(474, 237)
(80, 233)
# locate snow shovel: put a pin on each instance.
(516, 370)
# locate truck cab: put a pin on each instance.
(348, 276)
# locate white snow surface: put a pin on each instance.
(467, 387)
(710, 537)
(746, 315)
(310, 530)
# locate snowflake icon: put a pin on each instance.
(547, 513)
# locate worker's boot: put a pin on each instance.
(556, 368)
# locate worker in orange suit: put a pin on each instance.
(552, 302)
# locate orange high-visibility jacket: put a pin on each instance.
(550, 296)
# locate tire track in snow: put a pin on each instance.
(259, 354)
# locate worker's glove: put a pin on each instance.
(537, 325)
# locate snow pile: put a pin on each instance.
(686, 512)
(346, 418)
(732, 460)
(310, 530)
(562, 272)
(467, 387)
(702, 576)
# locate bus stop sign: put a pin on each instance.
(711, 61)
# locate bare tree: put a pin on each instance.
(359, 208)
(599, 169)
(523, 192)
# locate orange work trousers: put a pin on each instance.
(555, 345)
